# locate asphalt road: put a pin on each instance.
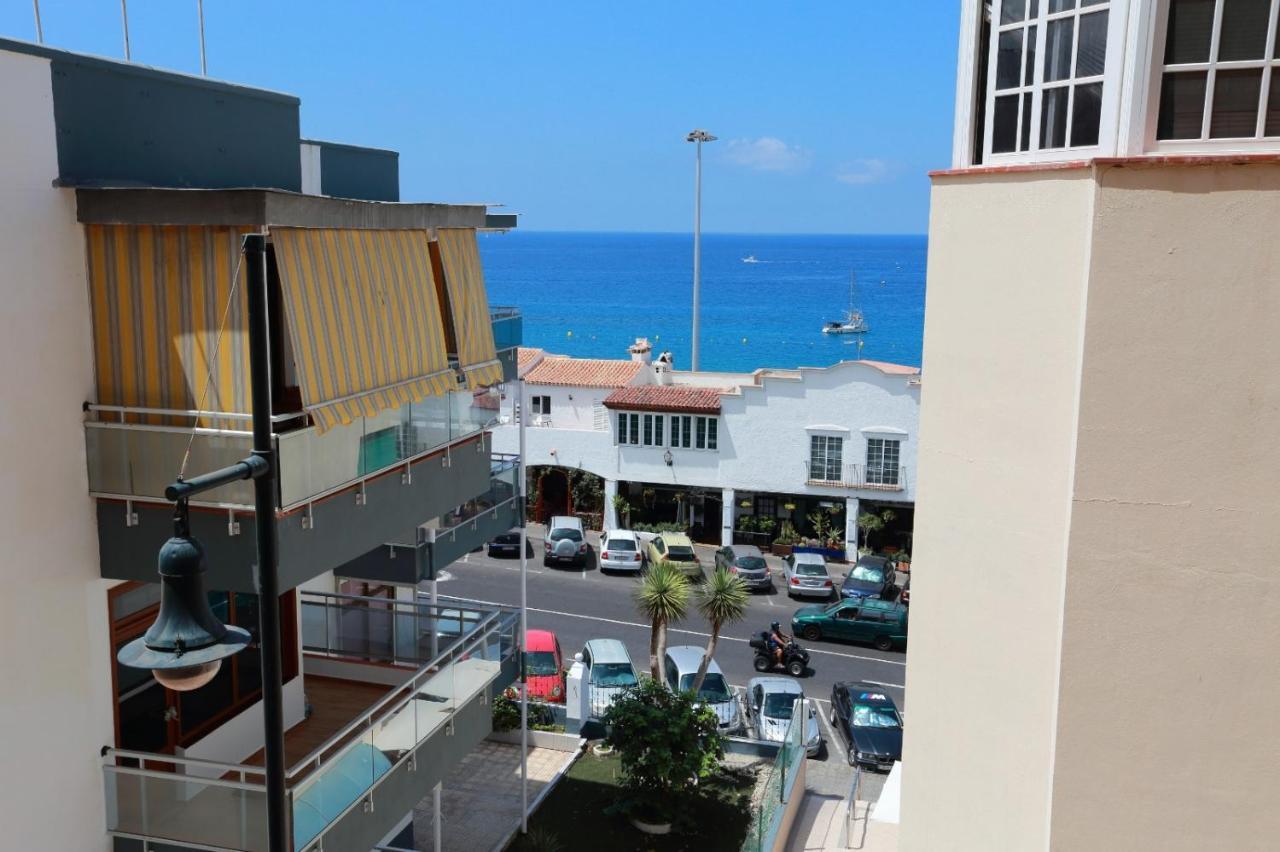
(585, 604)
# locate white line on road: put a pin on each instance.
(833, 739)
(674, 630)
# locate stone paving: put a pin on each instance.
(480, 801)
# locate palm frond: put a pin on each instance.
(724, 598)
(663, 593)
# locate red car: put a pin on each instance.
(544, 666)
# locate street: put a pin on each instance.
(578, 605)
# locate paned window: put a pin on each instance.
(628, 428)
(1047, 59)
(705, 433)
(1219, 76)
(541, 404)
(682, 431)
(826, 458)
(882, 461)
(651, 430)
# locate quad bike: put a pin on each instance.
(795, 660)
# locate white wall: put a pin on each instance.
(56, 711)
(571, 407)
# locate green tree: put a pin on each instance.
(723, 600)
(662, 597)
(665, 744)
(869, 522)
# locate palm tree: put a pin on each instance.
(723, 600)
(662, 597)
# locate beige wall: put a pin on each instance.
(1003, 317)
(1169, 716)
(55, 712)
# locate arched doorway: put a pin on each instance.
(555, 497)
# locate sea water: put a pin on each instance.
(591, 294)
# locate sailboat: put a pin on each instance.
(853, 322)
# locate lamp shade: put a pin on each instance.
(186, 644)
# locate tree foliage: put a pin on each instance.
(661, 597)
(722, 600)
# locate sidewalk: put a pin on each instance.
(824, 825)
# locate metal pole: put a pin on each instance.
(255, 253)
(697, 249)
(524, 621)
(436, 823)
(124, 16)
(204, 69)
(39, 26)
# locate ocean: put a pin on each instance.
(591, 294)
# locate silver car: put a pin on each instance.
(620, 550)
(807, 576)
(681, 667)
(771, 704)
(748, 563)
(609, 672)
(565, 542)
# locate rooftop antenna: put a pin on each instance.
(39, 28)
(124, 16)
(204, 69)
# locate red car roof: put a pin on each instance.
(540, 640)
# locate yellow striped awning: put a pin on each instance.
(158, 295)
(364, 320)
(469, 304)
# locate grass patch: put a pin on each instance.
(573, 819)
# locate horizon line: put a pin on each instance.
(719, 233)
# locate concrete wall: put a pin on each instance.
(1169, 713)
(57, 707)
(1003, 320)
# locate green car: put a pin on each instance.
(881, 623)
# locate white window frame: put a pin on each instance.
(827, 440)
(540, 404)
(885, 441)
(1155, 81)
(628, 434)
(652, 431)
(703, 427)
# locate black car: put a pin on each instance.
(508, 544)
(865, 715)
(870, 577)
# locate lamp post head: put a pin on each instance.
(185, 646)
(699, 136)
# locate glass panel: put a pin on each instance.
(1012, 10)
(249, 661)
(1244, 30)
(1009, 59)
(1053, 118)
(1084, 3)
(1004, 130)
(188, 808)
(134, 600)
(1273, 106)
(209, 701)
(1061, 5)
(1024, 138)
(1086, 111)
(1029, 71)
(713, 428)
(1235, 104)
(1181, 105)
(1091, 54)
(1190, 31)
(1057, 49)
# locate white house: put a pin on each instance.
(708, 447)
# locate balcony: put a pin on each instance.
(855, 476)
(340, 494)
(351, 780)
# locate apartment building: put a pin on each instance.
(777, 444)
(1097, 599)
(125, 192)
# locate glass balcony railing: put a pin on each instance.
(137, 460)
(504, 487)
(218, 805)
(508, 327)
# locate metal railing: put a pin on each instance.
(213, 805)
(856, 476)
(136, 460)
(851, 806)
(766, 816)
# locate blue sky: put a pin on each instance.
(574, 113)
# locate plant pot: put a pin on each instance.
(781, 549)
(602, 749)
(655, 828)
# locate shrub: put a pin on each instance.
(506, 714)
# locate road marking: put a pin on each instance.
(833, 739)
(674, 630)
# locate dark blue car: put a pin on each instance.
(870, 577)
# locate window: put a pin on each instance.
(628, 428)
(1219, 78)
(541, 404)
(652, 429)
(826, 458)
(1044, 82)
(705, 432)
(882, 461)
(766, 507)
(682, 431)
(699, 433)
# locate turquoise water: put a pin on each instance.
(592, 294)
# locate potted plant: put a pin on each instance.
(766, 526)
(621, 510)
(786, 540)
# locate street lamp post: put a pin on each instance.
(186, 644)
(698, 137)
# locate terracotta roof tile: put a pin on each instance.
(583, 372)
(666, 398)
(526, 356)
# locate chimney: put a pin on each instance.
(640, 350)
(662, 369)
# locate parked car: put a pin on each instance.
(881, 623)
(770, 705)
(869, 722)
(609, 672)
(748, 563)
(904, 596)
(677, 549)
(807, 575)
(620, 550)
(565, 542)
(544, 666)
(870, 577)
(508, 544)
(681, 666)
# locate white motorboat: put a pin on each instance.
(751, 258)
(853, 322)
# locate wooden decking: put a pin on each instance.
(334, 703)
